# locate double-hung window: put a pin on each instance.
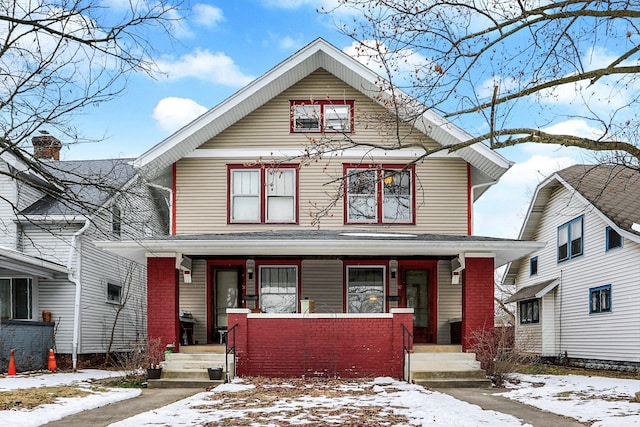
(382, 195)
(529, 311)
(279, 289)
(600, 299)
(570, 239)
(614, 239)
(263, 195)
(16, 298)
(321, 116)
(365, 289)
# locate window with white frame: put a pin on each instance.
(379, 195)
(278, 288)
(529, 311)
(614, 239)
(114, 293)
(322, 116)
(570, 239)
(263, 195)
(16, 299)
(365, 289)
(600, 299)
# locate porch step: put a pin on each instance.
(437, 348)
(189, 369)
(441, 370)
(182, 383)
(200, 349)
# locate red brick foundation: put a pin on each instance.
(319, 345)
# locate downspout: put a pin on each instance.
(472, 200)
(74, 277)
(168, 201)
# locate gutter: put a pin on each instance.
(74, 277)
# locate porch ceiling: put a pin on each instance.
(323, 243)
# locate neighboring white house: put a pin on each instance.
(577, 298)
(49, 264)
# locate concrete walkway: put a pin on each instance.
(118, 411)
(486, 399)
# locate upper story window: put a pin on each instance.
(614, 239)
(600, 299)
(380, 195)
(570, 239)
(16, 298)
(321, 116)
(116, 220)
(529, 311)
(533, 266)
(263, 195)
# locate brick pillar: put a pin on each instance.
(401, 316)
(239, 337)
(477, 298)
(163, 301)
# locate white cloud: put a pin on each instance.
(203, 65)
(368, 53)
(502, 209)
(207, 15)
(172, 113)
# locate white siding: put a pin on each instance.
(449, 302)
(7, 201)
(606, 336)
(58, 296)
(50, 242)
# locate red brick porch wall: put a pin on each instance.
(162, 301)
(477, 299)
(319, 345)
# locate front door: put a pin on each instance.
(227, 291)
(419, 295)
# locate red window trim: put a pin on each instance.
(365, 263)
(279, 263)
(380, 168)
(322, 103)
(263, 193)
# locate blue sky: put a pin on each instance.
(220, 46)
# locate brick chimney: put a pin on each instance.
(46, 146)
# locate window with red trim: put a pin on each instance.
(379, 195)
(263, 195)
(321, 116)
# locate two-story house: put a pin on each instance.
(57, 290)
(393, 252)
(577, 298)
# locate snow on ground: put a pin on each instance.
(604, 402)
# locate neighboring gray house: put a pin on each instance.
(48, 263)
(577, 298)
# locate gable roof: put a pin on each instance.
(91, 182)
(318, 54)
(613, 190)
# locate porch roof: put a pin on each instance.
(313, 242)
(534, 291)
(14, 262)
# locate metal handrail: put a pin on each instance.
(407, 338)
(228, 350)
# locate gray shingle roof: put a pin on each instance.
(533, 291)
(88, 184)
(613, 189)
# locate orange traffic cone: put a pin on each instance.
(12, 364)
(52, 366)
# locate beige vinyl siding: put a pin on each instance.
(193, 298)
(201, 182)
(449, 302)
(581, 334)
(322, 282)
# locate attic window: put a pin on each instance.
(321, 116)
(116, 220)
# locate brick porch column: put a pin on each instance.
(238, 316)
(163, 300)
(477, 298)
(401, 316)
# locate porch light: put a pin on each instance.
(250, 273)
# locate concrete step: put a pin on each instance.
(185, 374)
(209, 348)
(429, 375)
(437, 348)
(455, 383)
(443, 361)
(179, 357)
(183, 383)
